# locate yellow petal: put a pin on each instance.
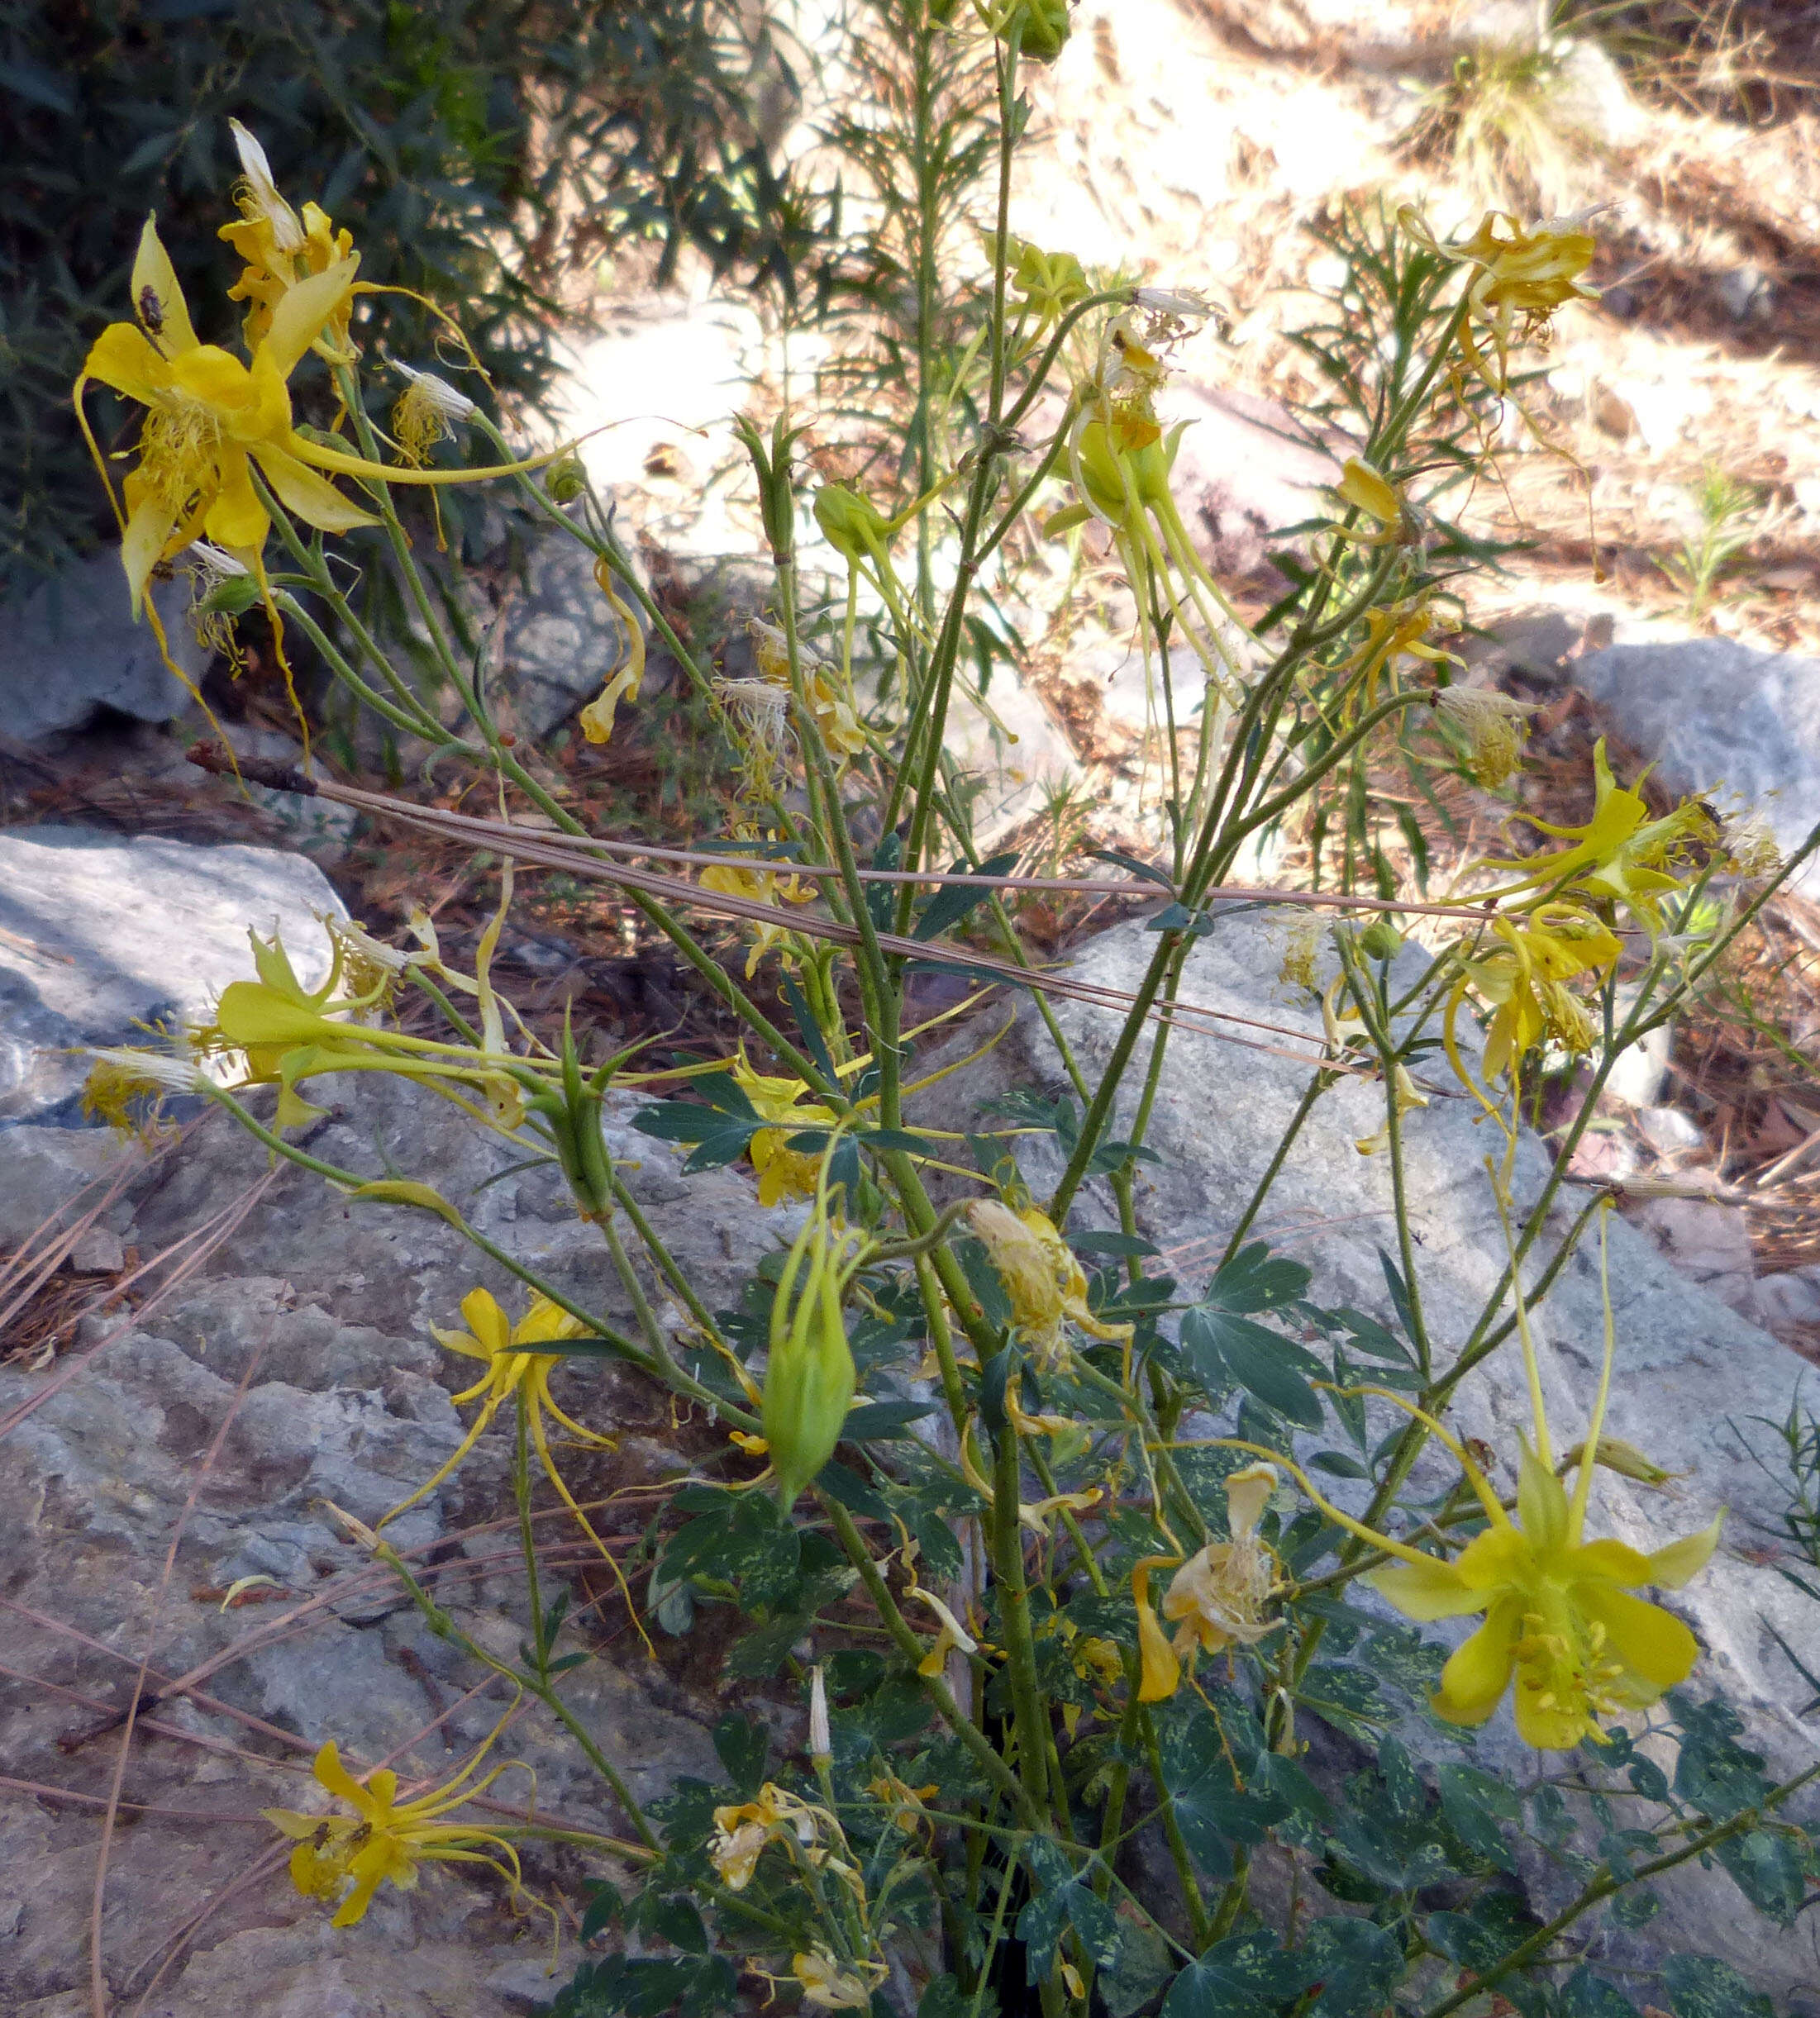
(1615, 1561)
(1370, 490)
(487, 1321)
(142, 545)
(289, 1822)
(1653, 1645)
(1161, 1674)
(331, 1774)
(122, 356)
(1683, 1561)
(153, 272)
(1438, 1591)
(250, 1014)
(1548, 1726)
(314, 498)
(300, 317)
(1477, 1674)
(236, 518)
(1541, 1504)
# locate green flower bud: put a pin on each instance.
(233, 596)
(1380, 940)
(809, 1379)
(849, 524)
(564, 481)
(1045, 27)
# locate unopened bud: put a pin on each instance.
(1380, 940)
(1045, 26)
(564, 481)
(821, 1746)
(809, 1378)
(1624, 1458)
(850, 525)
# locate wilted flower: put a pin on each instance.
(953, 1637)
(1403, 1093)
(1521, 274)
(1216, 1599)
(426, 413)
(1050, 283)
(1493, 726)
(1045, 1283)
(623, 682)
(827, 1983)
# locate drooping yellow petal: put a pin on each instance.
(486, 1321)
(142, 545)
(157, 295)
(311, 498)
(1653, 1645)
(1477, 1673)
(1682, 1560)
(331, 1774)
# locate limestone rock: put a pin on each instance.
(1713, 712)
(298, 1371)
(73, 649)
(100, 936)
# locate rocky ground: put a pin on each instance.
(199, 1357)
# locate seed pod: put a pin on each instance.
(809, 1381)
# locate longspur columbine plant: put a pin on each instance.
(1087, 1615)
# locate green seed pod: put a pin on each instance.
(809, 1380)
(1380, 940)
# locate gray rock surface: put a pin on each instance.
(99, 934)
(1691, 1374)
(73, 648)
(302, 1360)
(1713, 713)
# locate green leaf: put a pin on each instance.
(1346, 1697)
(1484, 1932)
(604, 1907)
(1238, 1978)
(1371, 1337)
(1211, 1810)
(715, 1151)
(1147, 872)
(1223, 1348)
(1121, 1246)
(743, 1747)
(1357, 1965)
(1475, 1803)
(1714, 1773)
(878, 1422)
(1584, 1995)
(952, 901)
(1770, 1870)
(1255, 1279)
(1699, 1986)
(945, 1998)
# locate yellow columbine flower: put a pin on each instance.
(280, 249)
(783, 1172)
(953, 1637)
(385, 1840)
(758, 886)
(1521, 273)
(1620, 853)
(1559, 1613)
(209, 418)
(824, 685)
(1524, 976)
(1050, 283)
(515, 1374)
(1368, 489)
(1045, 1283)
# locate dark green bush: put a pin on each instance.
(478, 149)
